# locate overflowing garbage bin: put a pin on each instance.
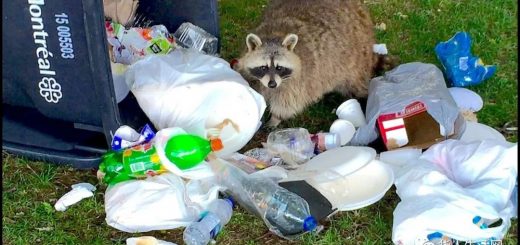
(59, 100)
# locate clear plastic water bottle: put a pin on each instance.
(294, 145)
(288, 212)
(285, 213)
(217, 216)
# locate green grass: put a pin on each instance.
(30, 189)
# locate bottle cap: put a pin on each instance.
(216, 144)
(309, 223)
(332, 141)
(434, 236)
(230, 200)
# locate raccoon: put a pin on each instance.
(304, 49)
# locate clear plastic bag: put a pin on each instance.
(401, 87)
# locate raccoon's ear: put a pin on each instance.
(253, 42)
(290, 41)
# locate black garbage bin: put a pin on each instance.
(58, 96)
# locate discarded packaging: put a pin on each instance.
(126, 137)
(121, 11)
(193, 37)
(160, 202)
(351, 111)
(452, 183)
(130, 45)
(147, 240)
(412, 107)
(293, 145)
(466, 99)
(285, 213)
(212, 221)
(183, 151)
(478, 131)
(198, 93)
(341, 176)
(345, 129)
(462, 68)
(78, 193)
(118, 78)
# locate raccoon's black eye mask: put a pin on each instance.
(261, 71)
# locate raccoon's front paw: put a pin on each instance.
(273, 123)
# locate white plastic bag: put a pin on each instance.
(157, 203)
(450, 184)
(196, 92)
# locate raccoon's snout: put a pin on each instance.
(271, 84)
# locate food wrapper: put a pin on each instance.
(131, 45)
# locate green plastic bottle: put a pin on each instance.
(185, 151)
(137, 162)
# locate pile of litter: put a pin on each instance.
(184, 170)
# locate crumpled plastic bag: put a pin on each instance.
(401, 87)
(452, 183)
(160, 202)
(462, 68)
(197, 92)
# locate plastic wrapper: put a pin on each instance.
(462, 68)
(198, 93)
(160, 202)
(131, 45)
(402, 86)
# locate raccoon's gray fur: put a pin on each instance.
(304, 49)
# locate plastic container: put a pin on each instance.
(345, 129)
(217, 216)
(285, 213)
(351, 111)
(325, 141)
(193, 37)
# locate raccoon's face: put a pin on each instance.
(271, 62)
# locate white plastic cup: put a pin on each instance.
(350, 110)
(344, 129)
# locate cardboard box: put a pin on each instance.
(413, 127)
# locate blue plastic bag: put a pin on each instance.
(462, 68)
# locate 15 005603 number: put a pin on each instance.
(64, 36)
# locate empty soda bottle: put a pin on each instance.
(217, 216)
(185, 151)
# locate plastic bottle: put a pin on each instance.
(325, 141)
(217, 216)
(185, 151)
(486, 223)
(294, 145)
(193, 37)
(285, 213)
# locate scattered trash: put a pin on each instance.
(285, 213)
(478, 131)
(180, 151)
(121, 11)
(197, 92)
(213, 220)
(351, 111)
(466, 99)
(380, 49)
(325, 141)
(341, 176)
(159, 202)
(293, 145)
(131, 45)
(462, 68)
(412, 108)
(246, 163)
(78, 193)
(147, 240)
(45, 229)
(126, 137)
(193, 37)
(451, 183)
(345, 129)
(118, 78)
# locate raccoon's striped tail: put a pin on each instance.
(385, 63)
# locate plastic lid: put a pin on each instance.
(332, 141)
(343, 160)
(309, 223)
(434, 235)
(230, 200)
(216, 144)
